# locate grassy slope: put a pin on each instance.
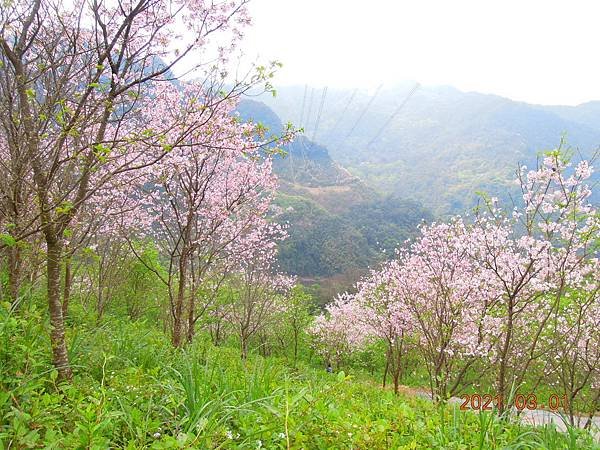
(132, 390)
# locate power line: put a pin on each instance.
(394, 114)
(341, 117)
(307, 167)
(303, 104)
(364, 111)
(302, 118)
(323, 95)
(312, 94)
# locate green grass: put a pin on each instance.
(132, 390)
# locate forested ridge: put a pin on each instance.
(338, 226)
(437, 145)
(179, 268)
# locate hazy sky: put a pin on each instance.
(538, 51)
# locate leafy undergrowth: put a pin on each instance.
(132, 390)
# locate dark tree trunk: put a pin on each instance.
(67, 288)
(502, 375)
(191, 319)
(396, 381)
(215, 333)
(14, 271)
(60, 355)
(397, 369)
(244, 346)
(178, 312)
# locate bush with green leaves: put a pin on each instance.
(133, 390)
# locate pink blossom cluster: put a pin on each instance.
(339, 331)
(498, 288)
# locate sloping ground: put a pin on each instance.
(338, 225)
(536, 417)
(336, 198)
(133, 390)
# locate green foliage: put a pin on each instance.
(133, 390)
(141, 289)
(338, 225)
(7, 240)
(322, 243)
(295, 319)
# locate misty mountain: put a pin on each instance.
(306, 163)
(441, 146)
(587, 114)
(338, 225)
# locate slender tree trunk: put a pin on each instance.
(397, 368)
(14, 271)
(191, 319)
(215, 333)
(502, 387)
(57, 333)
(67, 288)
(387, 368)
(178, 316)
(265, 350)
(438, 377)
(244, 345)
(396, 381)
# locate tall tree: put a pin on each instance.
(204, 201)
(78, 75)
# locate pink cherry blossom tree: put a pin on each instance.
(385, 315)
(339, 331)
(533, 257)
(574, 337)
(20, 241)
(258, 291)
(205, 200)
(448, 300)
(484, 295)
(79, 76)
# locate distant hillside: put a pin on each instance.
(338, 225)
(443, 146)
(587, 114)
(307, 163)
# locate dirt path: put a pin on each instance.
(536, 417)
